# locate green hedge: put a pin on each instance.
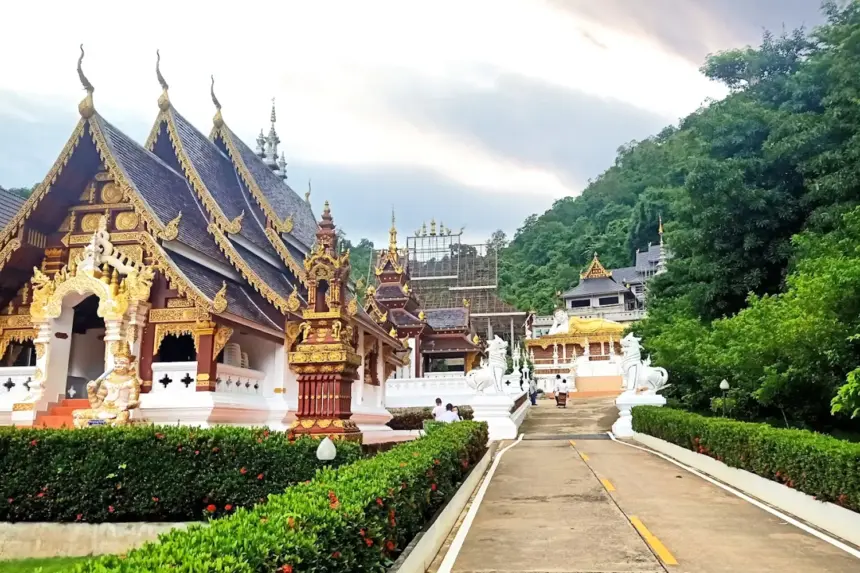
(822, 466)
(354, 518)
(148, 473)
(414, 418)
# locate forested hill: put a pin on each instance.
(760, 194)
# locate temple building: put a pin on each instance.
(440, 340)
(617, 295)
(194, 251)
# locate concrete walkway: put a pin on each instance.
(599, 506)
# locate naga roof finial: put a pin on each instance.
(163, 100)
(86, 107)
(217, 120)
(273, 118)
(308, 193)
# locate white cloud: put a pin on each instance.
(325, 61)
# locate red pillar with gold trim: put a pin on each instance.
(204, 332)
(325, 359)
(147, 350)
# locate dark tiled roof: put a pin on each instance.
(594, 287)
(626, 275)
(434, 345)
(390, 291)
(281, 197)
(447, 318)
(220, 178)
(647, 260)
(241, 300)
(403, 318)
(275, 279)
(10, 204)
(164, 190)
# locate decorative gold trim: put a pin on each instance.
(293, 302)
(8, 250)
(127, 221)
(174, 275)
(90, 223)
(222, 337)
(239, 263)
(288, 260)
(23, 406)
(227, 137)
(219, 303)
(98, 207)
(188, 314)
(10, 336)
(175, 329)
(233, 227)
(171, 230)
(111, 193)
(178, 303)
(595, 270)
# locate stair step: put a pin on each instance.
(65, 410)
(54, 422)
(75, 403)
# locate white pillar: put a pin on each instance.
(380, 375)
(564, 352)
(113, 333)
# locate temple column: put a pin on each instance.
(113, 334)
(204, 333)
(564, 352)
(358, 385)
(380, 375)
(146, 356)
(602, 349)
(555, 354)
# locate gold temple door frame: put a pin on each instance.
(123, 292)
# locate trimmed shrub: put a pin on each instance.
(148, 473)
(354, 518)
(821, 466)
(414, 418)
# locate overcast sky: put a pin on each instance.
(475, 112)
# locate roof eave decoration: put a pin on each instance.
(280, 226)
(238, 262)
(595, 270)
(287, 259)
(391, 256)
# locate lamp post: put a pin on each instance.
(724, 386)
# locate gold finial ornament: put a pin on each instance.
(422, 316)
(476, 339)
(308, 193)
(660, 226)
(87, 107)
(432, 227)
(235, 226)
(371, 290)
(163, 100)
(288, 224)
(217, 120)
(171, 230)
(466, 302)
(220, 300)
(393, 332)
(392, 235)
(406, 288)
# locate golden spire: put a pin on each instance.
(86, 107)
(163, 100)
(392, 235)
(217, 120)
(326, 209)
(660, 227)
(595, 270)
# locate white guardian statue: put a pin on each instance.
(492, 370)
(639, 376)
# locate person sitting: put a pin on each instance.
(561, 390)
(457, 413)
(438, 410)
(448, 415)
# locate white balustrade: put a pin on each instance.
(238, 380)
(13, 384)
(174, 377)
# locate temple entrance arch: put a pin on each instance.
(87, 353)
(121, 289)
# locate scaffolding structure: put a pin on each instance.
(446, 273)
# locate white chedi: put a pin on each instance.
(492, 370)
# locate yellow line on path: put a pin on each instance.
(664, 554)
(607, 484)
(583, 456)
(572, 443)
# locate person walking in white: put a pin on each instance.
(561, 390)
(438, 410)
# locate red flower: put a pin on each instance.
(287, 569)
(368, 541)
(179, 449)
(79, 517)
(436, 462)
(159, 436)
(432, 487)
(243, 471)
(335, 504)
(110, 509)
(40, 494)
(390, 545)
(291, 523)
(362, 532)
(155, 499)
(34, 442)
(266, 433)
(215, 450)
(335, 555)
(379, 501)
(211, 508)
(259, 476)
(259, 440)
(196, 452)
(228, 507)
(11, 499)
